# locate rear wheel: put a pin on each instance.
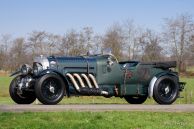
(26, 97)
(166, 90)
(135, 100)
(50, 89)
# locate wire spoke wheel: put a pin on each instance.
(50, 89)
(26, 97)
(166, 90)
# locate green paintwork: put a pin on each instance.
(130, 80)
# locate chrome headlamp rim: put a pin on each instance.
(26, 69)
(37, 67)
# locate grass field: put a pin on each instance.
(187, 94)
(4, 85)
(97, 120)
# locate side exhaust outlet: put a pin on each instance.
(73, 81)
(79, 79)
(94, 80)
(96, 91)
(87, 80)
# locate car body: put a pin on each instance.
(50, 78)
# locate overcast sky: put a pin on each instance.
(19, 17)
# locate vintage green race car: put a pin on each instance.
(52, 78)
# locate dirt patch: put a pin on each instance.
(4, 73)
(187, 74)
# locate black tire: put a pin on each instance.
(27, 97)
(135, 100)
(166, 90)
(44, 87)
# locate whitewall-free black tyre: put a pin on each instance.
(27, 97)
(166, 90)
(50, 89)
(135, 100)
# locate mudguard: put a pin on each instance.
(47, 71)
(15, 73)
(155, 78)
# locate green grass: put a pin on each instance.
(96, 120)
(191, 68)
(4, 85)
(188, 92)
(188, 95)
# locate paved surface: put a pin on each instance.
(97, 107)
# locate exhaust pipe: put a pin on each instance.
(79, 79)
(84, 90)
(104, 93)
(73, 81)
(93, 80)
(87, 80)
(93, 92)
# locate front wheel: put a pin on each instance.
(165, 90)
(26, 97)
(50, 89)
(135, 100)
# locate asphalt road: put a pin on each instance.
(97, 107)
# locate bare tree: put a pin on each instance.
(71, 44)
(88, 35)
(52, 42)
(83, 43)
(98, 42)
(5, 42)
(128, 41)
(18, 54)
(129, 29)
(177, 34)
(134, 38)
(36, 41)
(2, 56)
(152, 49)
(114, 40)
(63, 47)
